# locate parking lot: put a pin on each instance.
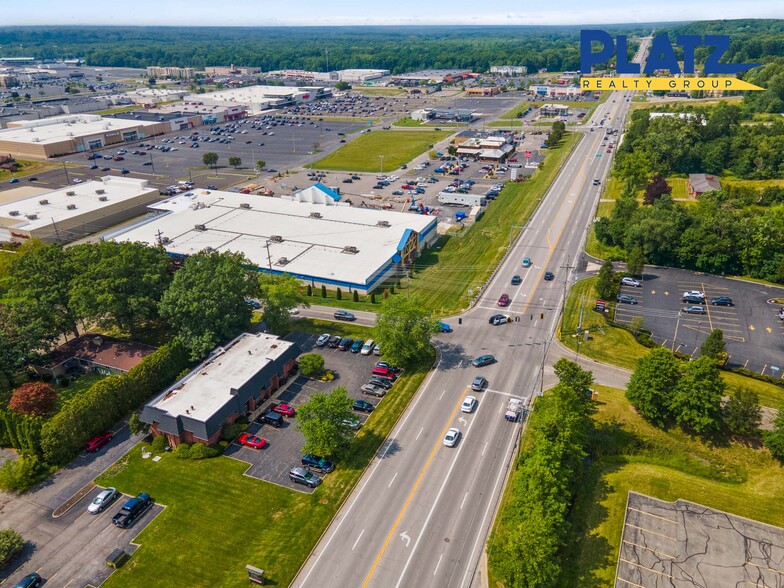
(752, 330)
(284, 445)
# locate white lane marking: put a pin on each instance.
(500, 409)
(435, 571)
(442, 395)
(357, 541)
(485, 448)
(503, 393)
(462, 504)
(392, 480)
(418, 434)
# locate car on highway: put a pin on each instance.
(526, 262)
(106, 169)
(284, 409)
(252, 441)
(32, 179)
(483, 360)
(13, 181)
(93, 166)
(383, 382)
(692, 299)
(98, 441)
(343, 315)
(345, 344)
(451, 437)
(504, 300)
(597, 182)
(362, 406)
(516, 280)
(627, 281)
(478, 384)
(694, 309)
(31, 580)
(695, 293)
(549, 276)
(104, 499)
(132, 510)
(303, 476)
(373, 390)
(500, 319)
(318, 463)
(623, 298)
(468, 404)
(722, 301)
(323, 340)
(356, 346)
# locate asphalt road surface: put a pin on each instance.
(421, 514)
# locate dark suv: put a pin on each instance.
(132, 510)
(335, 341)
(343, 315)
(346, 343)
(318, 463)
(303, 476)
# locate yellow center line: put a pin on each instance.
(411, 494)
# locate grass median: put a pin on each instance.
(217, 520)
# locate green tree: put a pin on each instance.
(403, 329)
(311, 365)
(321, 421)
(261, 164)
(742, 413)
(206, 300)
(136, 426)
(774, 439)
(651, 387)
(355, 296)
(696, 403)
(11, 543)
(278, 295)
(210, 159)
(323, 291)
(635, 261)
(118, 284)
(372, 298)
(338, 294)
(309, 290)
(235, 161)
(607, 285)
(574, 377)
(342, 86)
(714, 345)
(152, 81)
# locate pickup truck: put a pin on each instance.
(132, 510)
(514, 409)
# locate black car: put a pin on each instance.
(722, 301)
(694, 299)
(132, 510)
(382, 382)
(346, 343)
(549, 276)
(29, 581)
(363, 406)
(343, 315)
(318, 463)
(334, 341)
(516, 280)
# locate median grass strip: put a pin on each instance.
(365, 153)
(631, 454)
(216, 520)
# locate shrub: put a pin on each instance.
(21, 431)
(311, 364)
(64, 381)
(183, 451)
(136, 425)
(231, 432)
(339, 294)
(201, 451)
(22, 474)
(33, 398)
(327, 376)
(355, 296)
(323, 291)
(309, 290)
(11, 543)
(372, 298)
(159, 443)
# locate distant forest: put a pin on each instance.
(398, 48)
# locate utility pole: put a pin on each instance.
(269, 257)
(56, 232)
(159, 237)
(546, 345)
(67, 179)
(566, 268)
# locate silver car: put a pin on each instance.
(103, 500)
(373, 390)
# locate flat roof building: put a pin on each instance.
(70, 213)
(232, 382)
(73, 133)
(152, 96)
(181, 73)
(436, 76)
(256, 99)
(554, 110)
(509, 70)
(310, 235)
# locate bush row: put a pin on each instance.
(20, 431)
(109, 400)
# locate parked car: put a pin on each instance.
(383, 382)
(626, 299)
(722, 301)
(695, 309)
(451, 437)
(627, 281)
(504, 300)
(32, 580)
(346, 343)
(516, 280)
(353, 424)
(132, 510)
(695, 293)
(383, 364)
(363, 406)
(318, 463)
(382, 372)
(99, 441)
(254, 304)
(303, 476)
(284, 409)
(356, 346)
(272, 418)
(323, 340)
(693, 299)
(343, 315)
(479, 383)
(252, 441)
(549, 276)
(104, 499)
(334, 341)
(468, 404)
(373, 390)
(483, 360)
(500, 319)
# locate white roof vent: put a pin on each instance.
(71, 207)
(103, 198)
(245, 205)
(315, 215)
(32, 216)
(383, 223)
(200, 228)
(350, 249)
(43, 202)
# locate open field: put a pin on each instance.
(379, 91)
(28, 168)
(275, 532)
(364, 153)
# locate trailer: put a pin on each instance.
(514, 408)
(461, 199)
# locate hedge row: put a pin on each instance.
(20, 431)
(108, 401)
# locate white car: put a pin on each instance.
(630, 282)
(695, 293)
(293, 311)
(103, 500)
(77, 181)
(451, 437)
(323, 340)
(468, 404)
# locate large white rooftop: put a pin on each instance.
(208, 388)
(63, 128)
(249, 94)
(281, 233)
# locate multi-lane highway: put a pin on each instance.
(421, 513)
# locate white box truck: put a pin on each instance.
(461, 199)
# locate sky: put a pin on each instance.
(375, 12)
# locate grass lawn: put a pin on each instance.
(382, 91)
(117, 110)
(617, 346)
(204, 536)
(364, 153)
(28, 168)
(667, 465)
(503, 120)
(75, 388)
(407, 122)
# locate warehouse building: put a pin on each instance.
(509, 70)
(73, 133)
(311, 235)
(554, 110)
(463, 115)
(64, 215)
(180, 73)
(256, 99)
(149, 97)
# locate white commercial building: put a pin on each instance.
(152, 96)
(67, 214)
(311, 235)
(547, 91)
(257, 99)
(509, 70)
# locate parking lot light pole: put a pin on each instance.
(381, 165)
(677, 323)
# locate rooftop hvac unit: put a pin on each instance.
(103, 198)
(14, 213)
(245, 205)
(383, 223)
(350, 249)
(200, 228)
(43, 202)
(71, 207)
(165, 240)
(276, 239)
(32, 216)
(315, 215)
(70, 193)
(282, 261)
(100, 191)
(208, 250)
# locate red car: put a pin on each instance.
(285, 410)
(504, 300)
(253, 441)
(99, 441)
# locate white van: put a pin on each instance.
(367, 348)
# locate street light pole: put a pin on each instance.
(677, 323)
